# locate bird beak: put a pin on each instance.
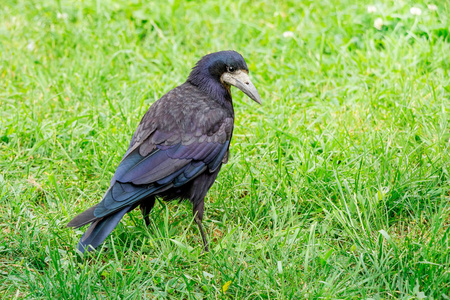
(241, 80)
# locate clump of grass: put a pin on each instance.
(337, 187)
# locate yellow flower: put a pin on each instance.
(226, 286)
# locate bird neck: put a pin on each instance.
(215, 90)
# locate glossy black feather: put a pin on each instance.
(99, 230)
(176, 151)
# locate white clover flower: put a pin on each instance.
(378, 24)
(30, 46)
(371, 9)
(415, 11)
(63, 16)
(288, 34)
(432, 7)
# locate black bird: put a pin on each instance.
(177, 149)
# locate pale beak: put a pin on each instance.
(241, 80)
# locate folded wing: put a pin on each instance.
(139, 176)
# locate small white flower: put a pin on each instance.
(63, 16)
(378, 24)
(415, 11)
(432, 7)
(288, 34)
(30, 46)
(371, 9)
(279, 13)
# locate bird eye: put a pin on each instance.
(230, 69)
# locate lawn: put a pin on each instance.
(337, 186)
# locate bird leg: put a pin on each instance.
(198, 216)
(146, 207)
(200, 226)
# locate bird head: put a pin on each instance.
(228, 68)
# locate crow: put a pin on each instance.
(177, 149)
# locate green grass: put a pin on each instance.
(337, 187)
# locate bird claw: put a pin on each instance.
(205, 250)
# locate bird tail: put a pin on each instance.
(99, 229)
(84, 218)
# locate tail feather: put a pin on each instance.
(99, 230)
(84, 218)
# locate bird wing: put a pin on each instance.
(158, 159)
